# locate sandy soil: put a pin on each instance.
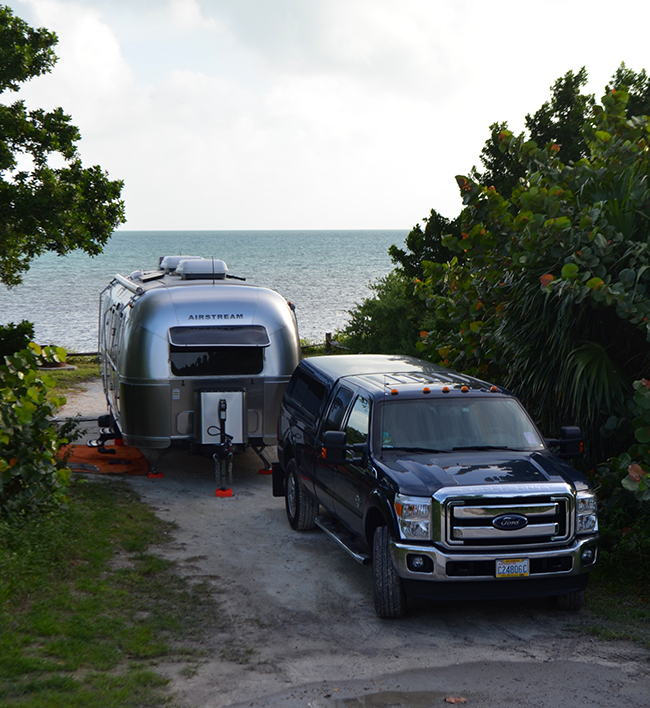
(305, 632)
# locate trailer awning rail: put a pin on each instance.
(220, 336)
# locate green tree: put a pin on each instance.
(637, 86)
(44, 208)
(559, 120)
(424, 245)
(551, 296)
(501, 170)
(389, 322)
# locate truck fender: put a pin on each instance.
(380, 513)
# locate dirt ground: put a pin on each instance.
(305, 632)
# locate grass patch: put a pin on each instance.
(619, 604)
(618, 596)
(68, 380)
(237, 652)
(86, 610)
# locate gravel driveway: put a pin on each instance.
(303, 631)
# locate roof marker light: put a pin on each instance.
(445, 389)
(464, 389)
(426, 389)
(394, 392)
(494, 389)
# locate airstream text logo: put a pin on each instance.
(216, 317)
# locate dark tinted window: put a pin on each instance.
(216, 361)
(358, 423)
(306, 392)
(445, 424)
(342, 397)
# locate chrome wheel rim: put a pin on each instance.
(291, 495)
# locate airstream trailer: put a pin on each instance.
(188, 352)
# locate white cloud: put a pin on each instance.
(91, 80)
(307, 113)
(188, 14)
(401, 48)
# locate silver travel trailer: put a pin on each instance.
(189, 347)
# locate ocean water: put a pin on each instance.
(324, 273)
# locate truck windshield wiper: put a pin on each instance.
(482, 448)
(401, 448)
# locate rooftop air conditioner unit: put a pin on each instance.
(206, 268)
(170, 263)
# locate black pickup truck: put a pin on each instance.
(441, 481)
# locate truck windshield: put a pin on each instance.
(444, 425)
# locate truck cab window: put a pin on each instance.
(358, 424)
(337, 410)
(307, 392)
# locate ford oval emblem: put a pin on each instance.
(510, 522)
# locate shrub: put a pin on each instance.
(31, 474)
(387, 323)
(634, 465)
(14, 337)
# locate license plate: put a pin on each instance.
(513, 568)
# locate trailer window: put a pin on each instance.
(216, 361)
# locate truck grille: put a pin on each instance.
(497, 520)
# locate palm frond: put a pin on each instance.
(590, 382)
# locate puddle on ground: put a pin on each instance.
(384, 699)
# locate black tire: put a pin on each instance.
(571, 602)
(301, 508)
(390, 598)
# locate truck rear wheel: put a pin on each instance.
(301, 508)
(390, 598)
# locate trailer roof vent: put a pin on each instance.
(206, 268)
(170, 263)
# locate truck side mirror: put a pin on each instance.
(334, 446)
(570, 441)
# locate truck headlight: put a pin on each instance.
(414, 517)
(586, 513)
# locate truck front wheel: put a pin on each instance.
(390, 598)
(301, 508)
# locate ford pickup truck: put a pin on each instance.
(441, 481)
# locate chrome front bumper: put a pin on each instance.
(570, 555)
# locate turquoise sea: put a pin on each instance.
(324, 273)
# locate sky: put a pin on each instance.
(310, 114)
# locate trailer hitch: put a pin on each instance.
(223, 455)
